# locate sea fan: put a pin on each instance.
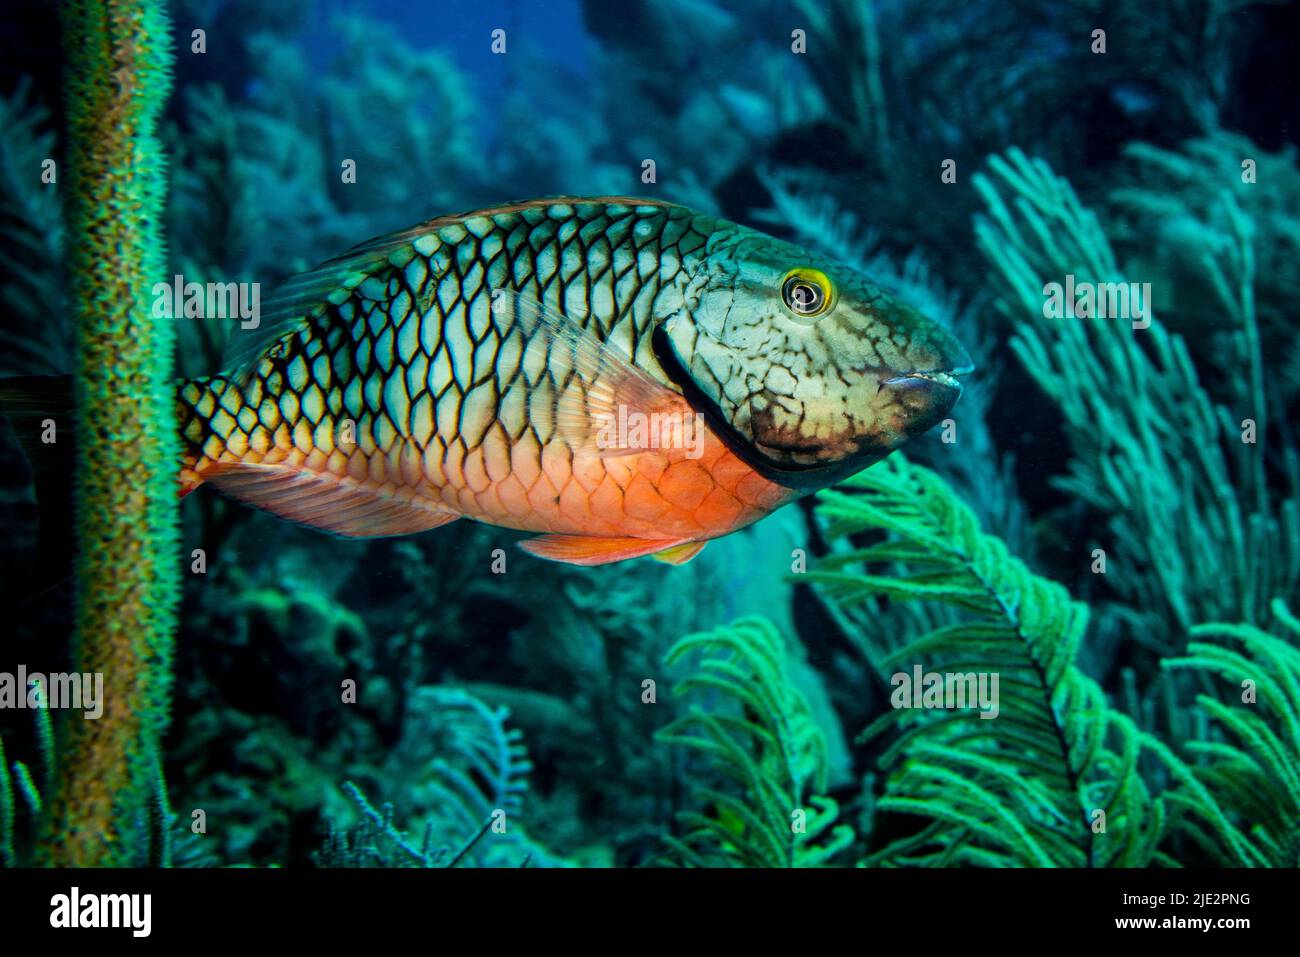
(1249, 777)
(470, 793)
(377, 841)
(1191, 515)
(483, 765)
(755, 730)
(1053, 779)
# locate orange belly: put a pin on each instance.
(679, 493)
(653, 494)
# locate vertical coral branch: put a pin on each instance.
(118, 77)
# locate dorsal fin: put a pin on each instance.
(303, 296)
(333, 281)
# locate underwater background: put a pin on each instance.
(1108, 521)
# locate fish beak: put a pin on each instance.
(927, 395)
(945, 377)
(942, 379)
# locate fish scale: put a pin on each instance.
(472, 433)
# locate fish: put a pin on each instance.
(621, 377)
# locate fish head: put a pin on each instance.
(812, 370)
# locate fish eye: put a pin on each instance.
(806, 292)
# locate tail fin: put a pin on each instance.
(40, 411)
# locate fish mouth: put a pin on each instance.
(925, 396)
(943, 378)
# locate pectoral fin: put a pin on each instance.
(605, 389)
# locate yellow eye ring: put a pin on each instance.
(807, 293)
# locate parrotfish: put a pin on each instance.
(623, 377)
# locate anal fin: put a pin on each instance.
(329, 502)
(595, 549)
